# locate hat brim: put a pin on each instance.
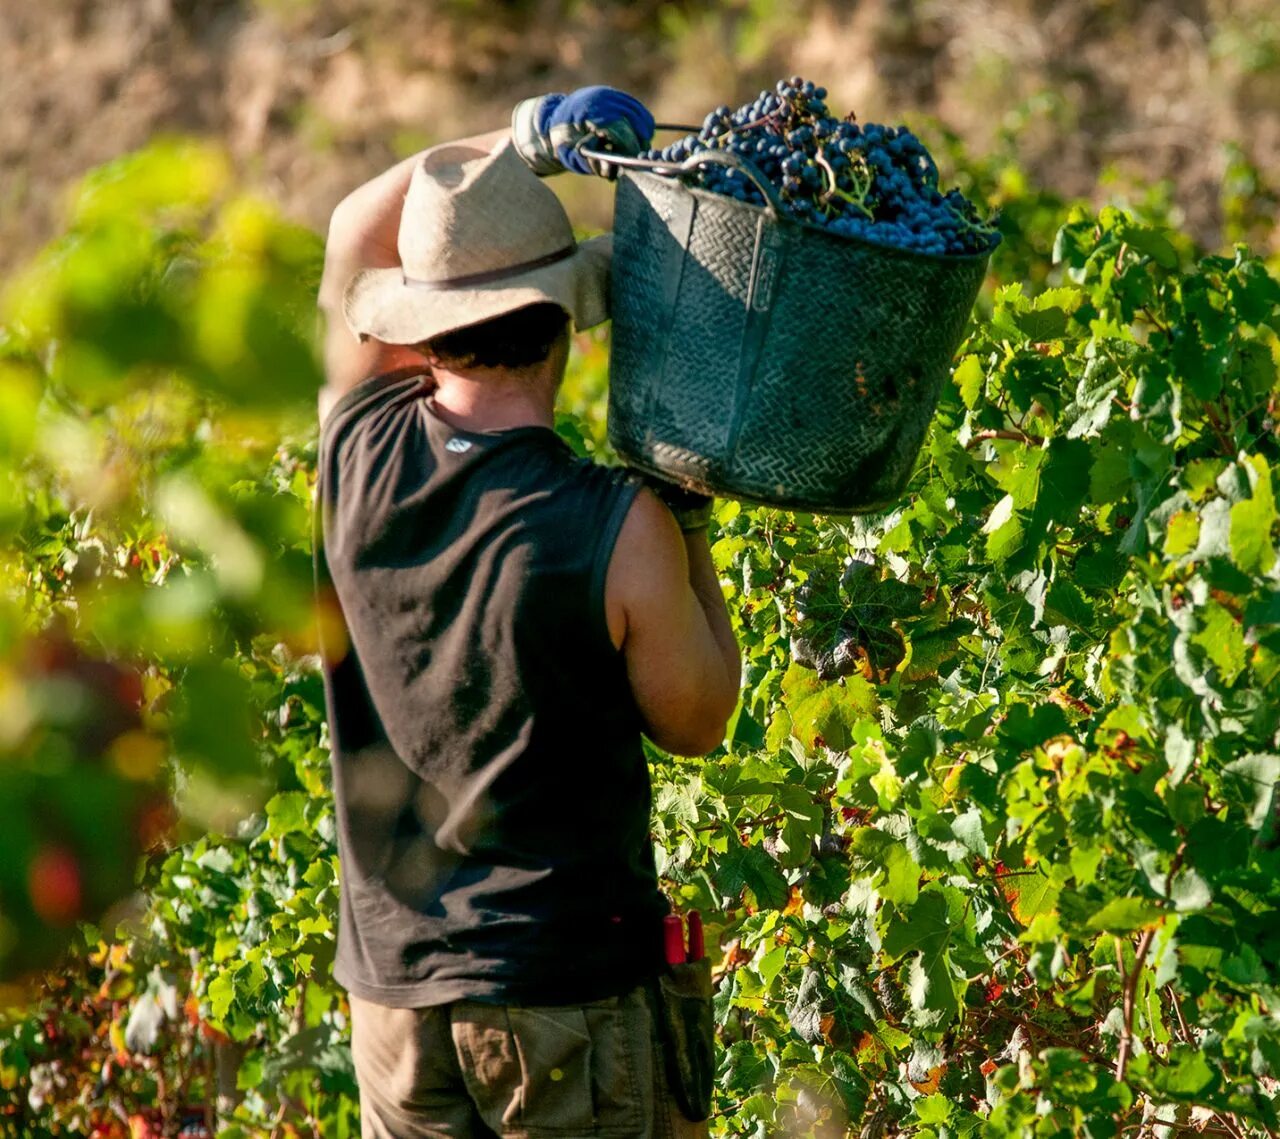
(378, 302)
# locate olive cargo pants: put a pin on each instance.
(472, 1071)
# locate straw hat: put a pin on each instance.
(480, 236)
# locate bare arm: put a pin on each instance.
(362, 235)
(667, 614)
(706, 587)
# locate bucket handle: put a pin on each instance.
(690, 165)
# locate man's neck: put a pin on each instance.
(494, 402)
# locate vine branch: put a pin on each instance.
(1014, 436)
(1130, 989)
(749, 825)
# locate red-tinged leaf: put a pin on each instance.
(1029, 895)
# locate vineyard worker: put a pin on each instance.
(515, 618)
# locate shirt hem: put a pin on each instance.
(429, 994)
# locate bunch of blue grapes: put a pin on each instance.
(868, 181)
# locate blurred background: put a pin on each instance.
(1178, 97)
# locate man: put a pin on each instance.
(515, 618)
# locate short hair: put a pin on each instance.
(517, 339)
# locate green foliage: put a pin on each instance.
(1046, 857)
(156, 638)
(992, 844)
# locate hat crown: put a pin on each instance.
(469, 212)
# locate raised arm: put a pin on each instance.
(364, 227)
(362, 235)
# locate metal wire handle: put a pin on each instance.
(773, 203)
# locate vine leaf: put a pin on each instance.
(812, 1002)
(1251, 781)
(1122, 915)
(896, 874)
(1186, 1076)
(923, 926)
(1029, 895)
(816, 713)
(157, 1003)
(222, 991)
(850, 625)
(1252, 520)
(803, 824)
(751, 868)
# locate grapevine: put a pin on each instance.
(992, 847)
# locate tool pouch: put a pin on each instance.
(683, 995)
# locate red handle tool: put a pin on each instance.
(697, 943)
(673, 939)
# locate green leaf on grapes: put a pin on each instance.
(803, 823)
(222, 991)
(934, 651)
(1042, 324)
(1182, 534)
(1263, 609)
(1016, 471)
(968, 828)
(742, 1068)
(1222, 639)
(932, 1109)
(1109, 476)
(770, 965)
(1004, 531)
(895, 875)
(1215, 528)
(931, 989)
(286, 812)
(812, 1001)
(249, 1075)
(1028, 726)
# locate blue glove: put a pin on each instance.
(548, 129)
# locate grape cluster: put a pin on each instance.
(872, 182)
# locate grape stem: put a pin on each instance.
(970, 225)
(833, 189)
(764, 121)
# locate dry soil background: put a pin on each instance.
(311, 96)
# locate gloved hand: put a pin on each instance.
(691, 509)
(547, 129)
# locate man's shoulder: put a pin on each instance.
(606, 479)
(386, 391)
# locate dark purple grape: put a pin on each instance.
(871, 182)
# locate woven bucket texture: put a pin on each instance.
(757, 358)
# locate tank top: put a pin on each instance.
(491, 791)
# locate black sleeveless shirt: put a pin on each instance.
(491, 792)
